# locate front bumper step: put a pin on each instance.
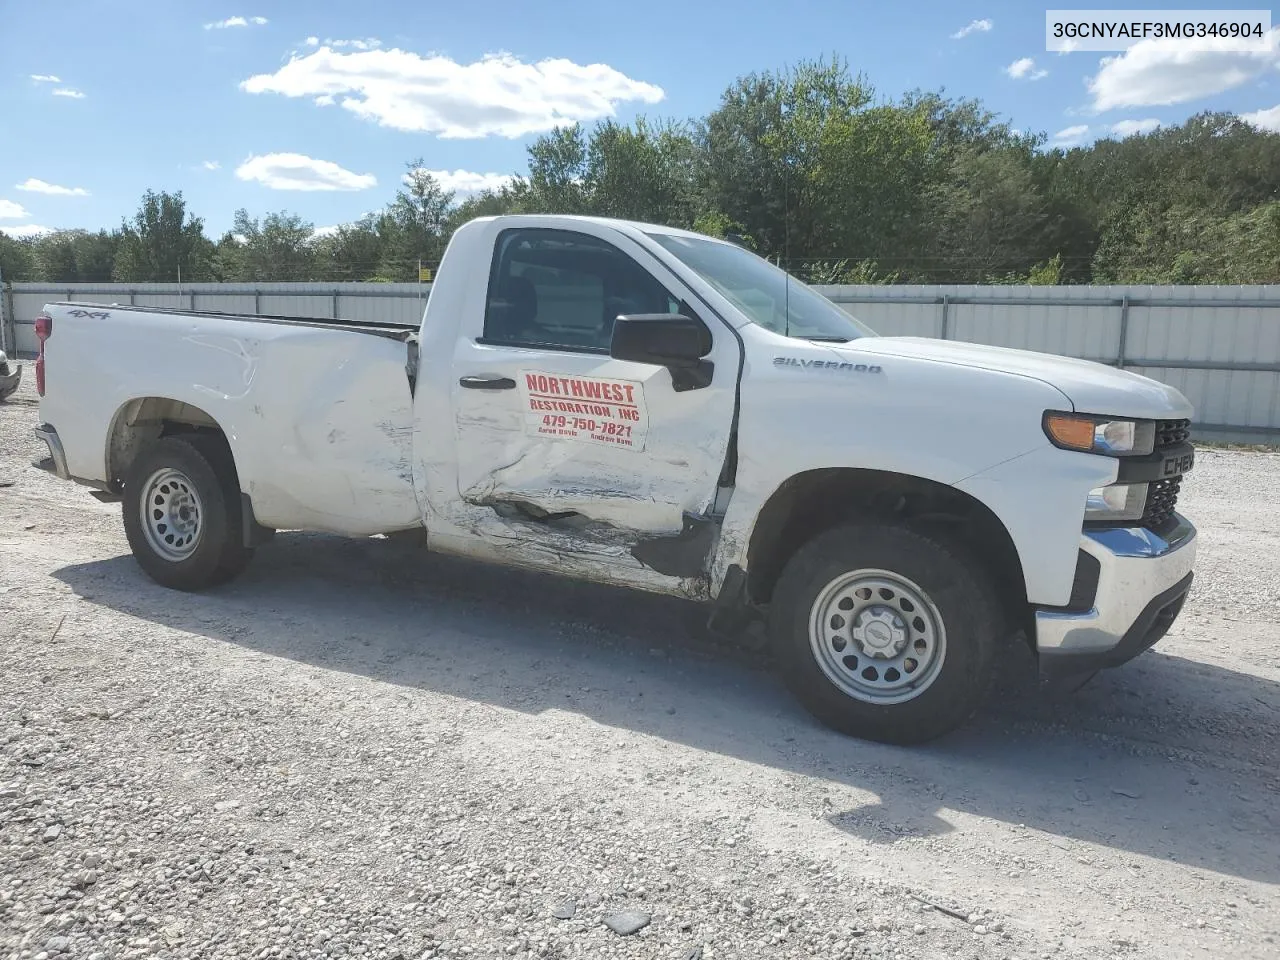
(1142, 582)
(1148, 630)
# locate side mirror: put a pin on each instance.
(669, 340)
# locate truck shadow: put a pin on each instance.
(1169, 758)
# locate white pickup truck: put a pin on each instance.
(644, 406)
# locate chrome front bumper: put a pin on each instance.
(1142, 582)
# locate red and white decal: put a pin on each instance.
(590, 409)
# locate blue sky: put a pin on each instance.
(243, 103)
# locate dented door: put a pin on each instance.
(568, 455)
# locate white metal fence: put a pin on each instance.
(1220, 345)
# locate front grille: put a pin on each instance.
(1162, 499)
(1162, 495)
(1169, 432)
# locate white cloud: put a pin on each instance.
(372, 43)
(1069, 137)
(32, 185)
(26, 230)
(236, 22)
(465, 181)
(11, 211)
(320, 232)
(1264, 119)
(1127, 128)
(68, 92)
(294, 171)
(45, 78)
(974, 26)
(313, 41)
(1163, 72)
(1025, 69)
(496, 95)
(211, 165)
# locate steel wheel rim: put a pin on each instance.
(877, 636)
(172, 514)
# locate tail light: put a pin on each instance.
(44, 330)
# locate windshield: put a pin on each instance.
(767, 295)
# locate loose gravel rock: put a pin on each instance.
(358, 750)
(627, 922)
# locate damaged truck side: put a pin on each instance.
(648, 407)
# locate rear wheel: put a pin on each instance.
(182, 513)
(885, 632)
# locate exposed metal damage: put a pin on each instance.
(600, 551)
(687, 554)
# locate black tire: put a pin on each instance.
(219, 553)
(957, 585)
(235, 555)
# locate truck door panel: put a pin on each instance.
(556, 436)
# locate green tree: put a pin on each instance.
(227, 263)
(986, 218)
(488, 203)
(763, 152)
(162, 241)
(414, 225)
(277, 248)
(16, 260)
(55, 257)
(646, 172)
(353, 251)
(73, 256)
(95, 255)
(557, 169)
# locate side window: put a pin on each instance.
(556, 288)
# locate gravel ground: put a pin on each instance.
(361, 750)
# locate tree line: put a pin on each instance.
(807, 167)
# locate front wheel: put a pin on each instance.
(182, 514)
(885, 632)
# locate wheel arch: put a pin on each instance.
(809, 502)
(144, 419)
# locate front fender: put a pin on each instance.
(974, 429)
(1040, 498)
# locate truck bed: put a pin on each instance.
(391, 331)
(320, 423)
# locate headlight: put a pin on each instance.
(1103, 435)
(1118, 501)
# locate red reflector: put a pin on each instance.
(44, 330)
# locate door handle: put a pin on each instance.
(487, 383)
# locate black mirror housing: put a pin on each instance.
(663, 339)
(669, 340)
